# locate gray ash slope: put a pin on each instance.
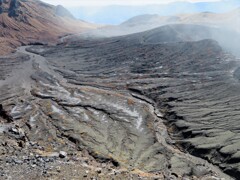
(120, 99)
(192, 83)
(227, 38)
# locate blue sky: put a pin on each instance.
(74, 3)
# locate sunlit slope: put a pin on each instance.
(22, 22)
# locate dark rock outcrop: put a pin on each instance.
(13, 8)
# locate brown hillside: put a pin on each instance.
(23, 22)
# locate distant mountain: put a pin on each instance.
(31, 21)
(229, 21)
(119, 14)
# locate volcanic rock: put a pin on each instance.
(62, 154)
(135, 106)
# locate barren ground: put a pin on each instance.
(120, 108)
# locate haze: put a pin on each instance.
(74, 3)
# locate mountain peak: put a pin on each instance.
(63, 12)
(15, 8)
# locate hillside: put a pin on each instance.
(222, 27)
(131, 107)
(228, 20)
(23, 22)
